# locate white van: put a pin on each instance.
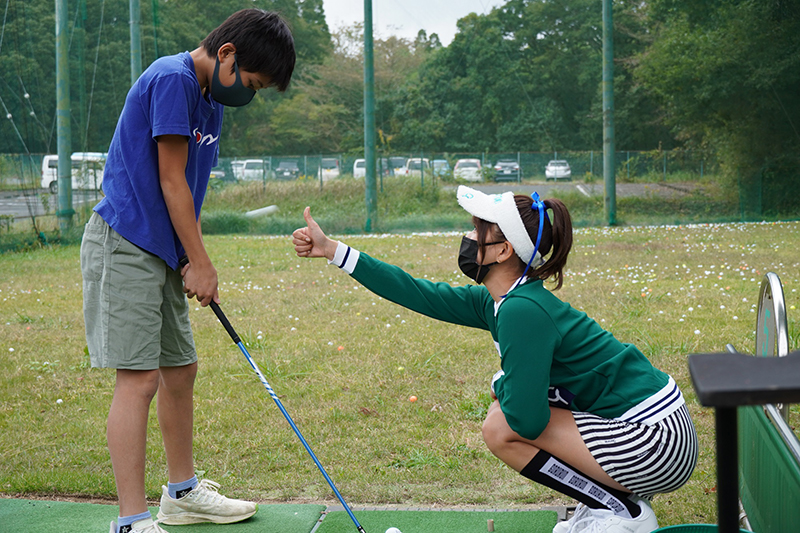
(87, 171)
(360, 168)
(250, 169)
(328, 168)
(415, 166)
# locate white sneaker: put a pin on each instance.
(148, 525)
(580, 511)
(604, 521)
(203, 504)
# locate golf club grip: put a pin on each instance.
(224, 320)
(183, 261)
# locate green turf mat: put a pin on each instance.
(441, 521)
(34, 516)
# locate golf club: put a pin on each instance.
(236, 340)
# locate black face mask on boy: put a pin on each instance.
(235, 95)
(468, 260)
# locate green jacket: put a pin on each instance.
(551, 354)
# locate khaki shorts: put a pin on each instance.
(136, 314)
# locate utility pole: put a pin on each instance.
(608, 114)
(63, 131)
(155, 30)
(136, 40)
(369, 120)
(80, 45)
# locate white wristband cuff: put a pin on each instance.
(345, 258)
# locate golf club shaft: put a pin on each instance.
(224, 320)
(232, 332)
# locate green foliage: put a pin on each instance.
(99, 65)
(339, 204)
(525, 77)
(717, 77)
(225, 222)
(726, 74)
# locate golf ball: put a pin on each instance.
(59, 401)
(412, 399)
(393, 530)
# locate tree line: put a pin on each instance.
(719, 75)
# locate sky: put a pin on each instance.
(404, 18)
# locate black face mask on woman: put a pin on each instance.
(468, 260)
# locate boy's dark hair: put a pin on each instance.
(263, 41)
(556, 236)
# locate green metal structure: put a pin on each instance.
(769, 474)
(608, 114)
(371, 194)
(769, 457)
(136, 40)
(63, 129)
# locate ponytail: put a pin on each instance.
(556, 236)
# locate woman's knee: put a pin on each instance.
(495, 429)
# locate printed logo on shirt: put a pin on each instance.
(560, 397)
(204, 139)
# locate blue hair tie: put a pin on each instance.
(537, 204)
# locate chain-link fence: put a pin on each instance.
(28, 183)
(31, 172)
(656, 165)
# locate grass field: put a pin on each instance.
(345, 363)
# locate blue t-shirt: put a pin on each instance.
(165, 100)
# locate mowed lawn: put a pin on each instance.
(346, 362)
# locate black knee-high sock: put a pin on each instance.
(554, 473)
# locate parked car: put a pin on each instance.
(87, 171)
(384, 167)
(415, 166)
(360, 168)
(440, 167)
(249, 169)
(287, 170)
(218, 174)
(381, 165)
(468, 169)
(328, 168)
(396, 165)
(557, 169)
(507, 170)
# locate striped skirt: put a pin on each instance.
(645, 459)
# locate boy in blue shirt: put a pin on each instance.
(135, 296)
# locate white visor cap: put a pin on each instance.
(502, 210)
